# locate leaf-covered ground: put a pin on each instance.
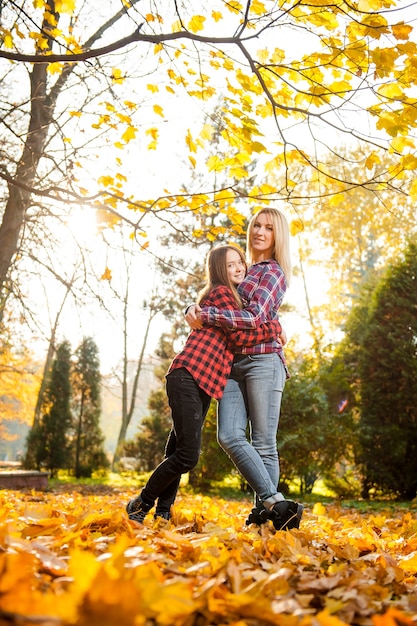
(71, 557)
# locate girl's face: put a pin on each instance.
(236, 268)
(262, 237)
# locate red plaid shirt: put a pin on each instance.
(208, 352)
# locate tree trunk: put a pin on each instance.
(127, 415)
(41, 116)
(19, 196)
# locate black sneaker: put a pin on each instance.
(285, 515)
(137, 509)
(163, 514)
(257, 515)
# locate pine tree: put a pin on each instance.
(48, 440)
(88, 448)
(304, 428)
(388, 373)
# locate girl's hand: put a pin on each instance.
(192, 317)
(283, 337)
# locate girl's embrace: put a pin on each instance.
(197, 374)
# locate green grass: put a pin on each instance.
(230, 489)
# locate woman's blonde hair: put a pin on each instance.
(281, 252)
(216, 271)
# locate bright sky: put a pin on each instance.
(151, 173)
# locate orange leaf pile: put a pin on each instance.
(72, 558)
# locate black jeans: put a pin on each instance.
(189, 405)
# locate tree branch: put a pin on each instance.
(117, 45)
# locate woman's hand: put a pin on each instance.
(192, 317)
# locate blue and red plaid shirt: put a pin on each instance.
(263, 290)
(208, 352)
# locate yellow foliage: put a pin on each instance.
(234, 6)
(214, 163)
(158, 110)
(73, 557)
(117, 76)
(408, 162)
(257, 7)
(391, 121)
(55, 68)
(401, 30)
(325, 19)
(374, 5)
(413, 190)
(126, 119)
(296, 227)
(153, 132)
(129, 134)
(106, 275)
(192, 146)
(7, 39)
(207, 132)
(224, 197)
(41, 42)
(391, 91)
(65, 6)
(106, 181)
(19, 384)
(196, 23)
(400, 142)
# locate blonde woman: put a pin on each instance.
(254, 390)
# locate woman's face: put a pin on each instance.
(236, 269)
(262, 237)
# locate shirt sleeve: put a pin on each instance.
(264, 302)
(248, 337)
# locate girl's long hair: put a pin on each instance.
(216, 271)
(281, 252)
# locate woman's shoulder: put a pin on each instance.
(271, 265)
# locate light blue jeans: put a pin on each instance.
(253, 394)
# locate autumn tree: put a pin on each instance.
(48, 441)
(351, 76)
(347, 238)
(108, 109)
(388, 368)
(19, 383)
(125, 282)
(87, 445)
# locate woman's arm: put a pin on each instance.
(266, 290)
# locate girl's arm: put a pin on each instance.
(248, 337)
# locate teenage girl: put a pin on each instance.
(197, 374)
